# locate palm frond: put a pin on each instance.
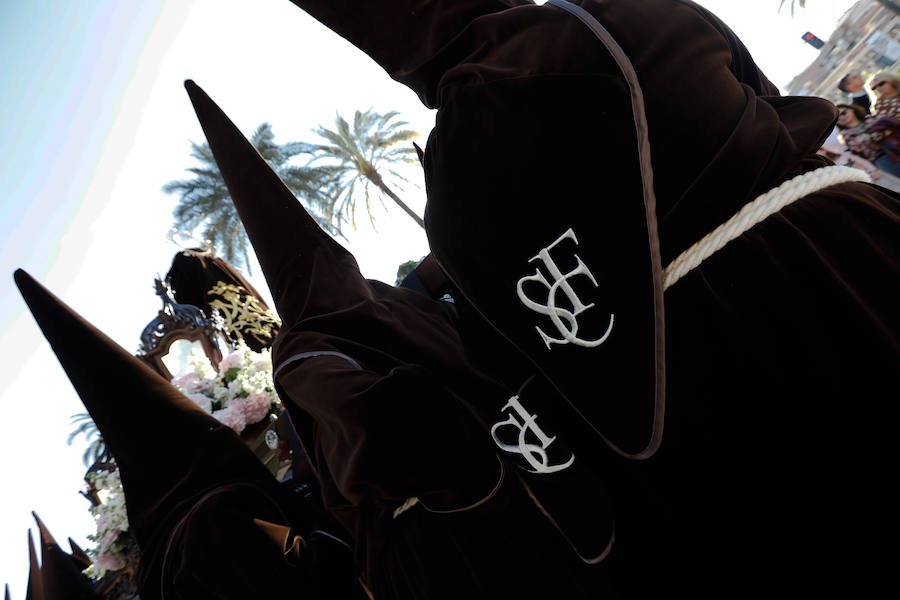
(358, 155)
(205, 203)
(802, 4)
(86, 427)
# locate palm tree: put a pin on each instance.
(405, 269)
(793, 2)
(96, 447)
(205, 200)
(360, 157)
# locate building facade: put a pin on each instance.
(866, 41)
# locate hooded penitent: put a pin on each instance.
(592, 324)
(780, 349)
(326, 306)
(61, 578)
(35, 589)
(201, 279)
(198, 499)
(387, 406)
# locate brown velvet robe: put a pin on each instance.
(781, 351)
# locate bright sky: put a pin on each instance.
(95, 120)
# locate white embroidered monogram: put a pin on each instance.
(535, 455)
(564, 320)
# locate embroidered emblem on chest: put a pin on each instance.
(564, 319)
(535, 454)
(242, 312)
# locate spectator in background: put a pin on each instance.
(838, 153)
(887, 91)
(852, 85)
(875, 138)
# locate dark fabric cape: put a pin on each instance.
(781, 351)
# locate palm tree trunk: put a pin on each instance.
(377, 181)
(247, 260)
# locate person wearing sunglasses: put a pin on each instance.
(887, 91)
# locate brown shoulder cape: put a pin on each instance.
(780, 350)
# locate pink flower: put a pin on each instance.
(231, 417)
(204, 402)
(111, 535)
(191, 383)
(111, 562)
(235, 359)
(254, 407)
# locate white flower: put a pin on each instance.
(111, 517)
(235, 388)
(200, 364)
(257, 382)
(222, 394)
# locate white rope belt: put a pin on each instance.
(757, 211)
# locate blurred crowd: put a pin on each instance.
(867, 134)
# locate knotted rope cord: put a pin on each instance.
(757, 211)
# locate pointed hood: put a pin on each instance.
(6, 593)
(79, 557)
(167, 449)
(308, 272)
(61, 579)
(35, 590)
(407, 38)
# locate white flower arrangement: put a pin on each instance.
(111, 552)
(239, 394)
